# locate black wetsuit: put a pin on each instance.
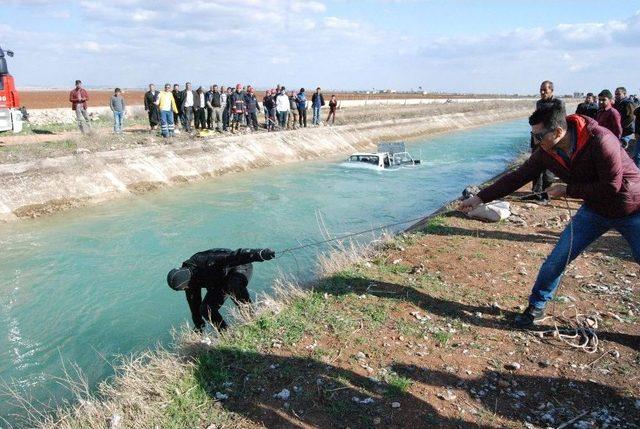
(222, 272)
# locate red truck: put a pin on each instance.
(10, 114)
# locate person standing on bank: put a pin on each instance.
(547, 99)
(301, 101)
(292, 120)
(188, 101)
(151, 107)
(333, 106)
(117, 107)
(222, 272)
(168, 108)
(178, 118)
(317, 101)
(588, 107)
(282, 107)
(607, 116)
(78, 98)
(596, 169)
(625, 106)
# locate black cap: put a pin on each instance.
(178, 278)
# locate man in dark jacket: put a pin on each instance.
(625, 107)
(588, 107)
(253, 107)
(607, 116)
(547, 99)
(200, 109)
(178, 118)
(596, 169)
(221, 272)
(317, 101)
(187, 105)
(150, 106)
(238, 108)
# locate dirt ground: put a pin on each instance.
(420, 337)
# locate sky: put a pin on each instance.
(472, 46)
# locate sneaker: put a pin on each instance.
(529, 317)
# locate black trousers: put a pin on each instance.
(209, 118)
(545, 179)
(200, 118)
(252, 120)
(225, 119)
(302, 117)
(234, 285)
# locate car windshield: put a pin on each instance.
(369, 159)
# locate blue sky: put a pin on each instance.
(463, 46)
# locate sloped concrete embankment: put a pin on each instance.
(48, 185)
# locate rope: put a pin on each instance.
(280, 253)
(581, 333)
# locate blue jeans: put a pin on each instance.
(166, 123)
(636, 153)
(316, 115)
(282, 119)
(117, 121)
(587, 227)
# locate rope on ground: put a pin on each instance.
(579, 330)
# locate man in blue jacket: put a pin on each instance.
(317, 101)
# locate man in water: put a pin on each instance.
(597, 170)
(222, 272)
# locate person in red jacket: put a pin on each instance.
(78, 98)
(589, 159)
(607, 116)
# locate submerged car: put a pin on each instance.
(389, 155)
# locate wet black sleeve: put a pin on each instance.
(194, 299)
(235, 258)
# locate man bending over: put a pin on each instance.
(221, 272)
(589, 159)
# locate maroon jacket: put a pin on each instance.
(610, 119)
(76, 95)
(599, 172)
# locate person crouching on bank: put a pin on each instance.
(222, 272)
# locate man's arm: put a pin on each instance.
(608, 165)
(239, 257)
(617, 123)
(194, 299)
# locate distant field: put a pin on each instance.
(56, 98)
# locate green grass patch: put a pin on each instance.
(442, 337)
(434, 225)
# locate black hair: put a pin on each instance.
(551, 117)
(622, 89)
(78, 81)
(606, 93)
(547, 82)
(590, 94)
(301, 89)
(117, 90)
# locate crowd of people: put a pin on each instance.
(223, 109)
(618, 113)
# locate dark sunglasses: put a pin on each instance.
(539, 136)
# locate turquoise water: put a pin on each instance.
(86, 285)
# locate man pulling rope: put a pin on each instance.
(589, 159)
